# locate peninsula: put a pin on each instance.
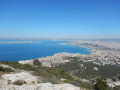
(20, 42)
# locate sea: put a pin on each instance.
(27, 51)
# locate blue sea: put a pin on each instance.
(26, 51)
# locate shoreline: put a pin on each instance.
(53, 60)
(102, 53)
(90, 49)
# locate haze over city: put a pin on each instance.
(69, 19)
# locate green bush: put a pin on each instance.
(6, 69)
(114, 79)
(1, 69)
(101, 85)
(19, 82)
(36, 62)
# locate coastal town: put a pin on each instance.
(101, 53)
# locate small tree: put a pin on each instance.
(101, 85)
(36, 62)
(1, 69)
(19, 82)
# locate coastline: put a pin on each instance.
(56, 58)
(99, 54)
(53, 60)
(102, 53)
(89, 48)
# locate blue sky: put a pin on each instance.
(74, 19)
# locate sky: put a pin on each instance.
(66, 19)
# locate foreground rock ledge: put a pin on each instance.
(27, 77)
(41, 86)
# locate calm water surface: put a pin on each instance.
(25, 51)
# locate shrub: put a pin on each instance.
(36, 62)
(101, 85)
(114, 79)
(1, 69)
(6, 69)
(19, 82)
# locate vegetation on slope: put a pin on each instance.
(6, 69)
(72, 72)
(101, 85)
(87, 71)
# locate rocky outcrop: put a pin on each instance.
(41, 86)
(6, 66)
(25, 76)
(6, 83)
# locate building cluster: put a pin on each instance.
(103, 52)
(50, 61)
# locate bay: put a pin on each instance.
(26, 51)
